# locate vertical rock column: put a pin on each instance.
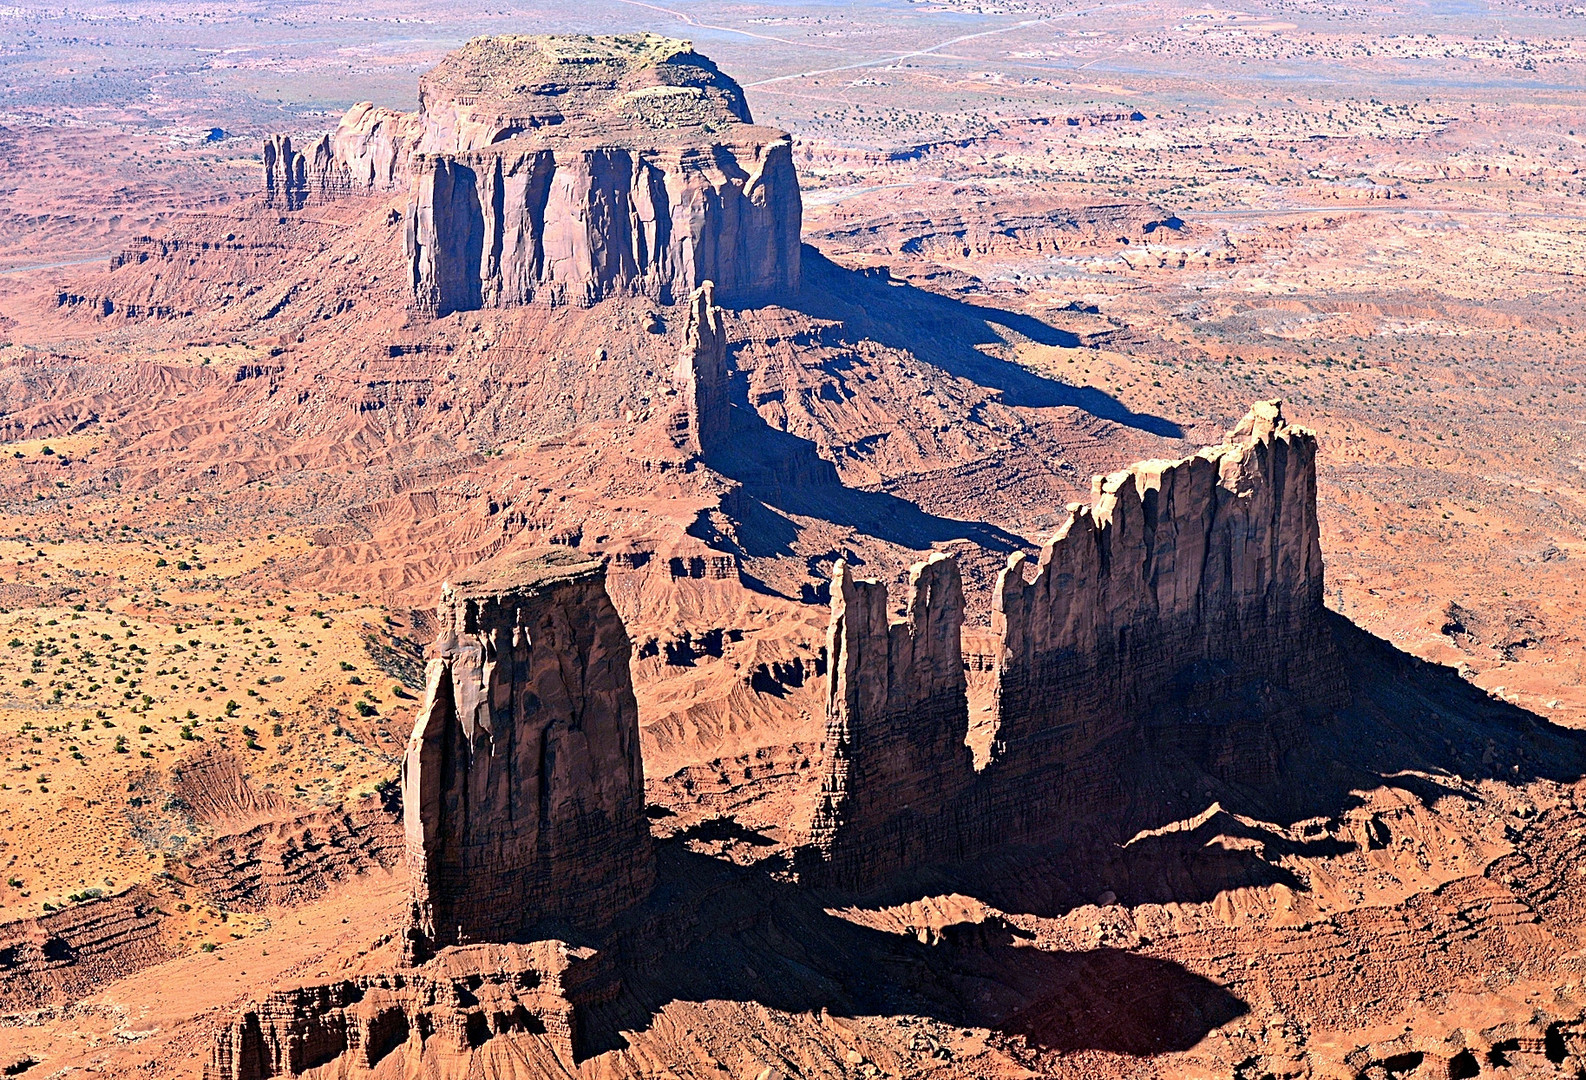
(700, 424)
(285, 174)
(293, 178)
(443, 235)
(899, 776)
(523, 789)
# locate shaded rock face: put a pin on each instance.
(522, 786)
(460, 1013)
(566, 170)
(1182, 609)
(1189, 592)
(897, 714)
(287, 172)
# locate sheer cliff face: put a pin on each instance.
(523, 790)
(566, 170)
(897, 714)
(1183, 587)
(575, 224)
(1182, 609)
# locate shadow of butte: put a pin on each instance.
(720, 933)
(944, 332)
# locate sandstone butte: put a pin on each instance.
(1209, 566)
(522, 787)
(568, 169)
(528, 853)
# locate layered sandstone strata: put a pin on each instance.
(453, 1017)
(568, 169)
(1180, 611)
(522, 786)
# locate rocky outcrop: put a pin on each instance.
(293, 861)
(699, 423)
(373, 147)
(522, 787)
(371, 151)
(1178, 615)
(898, 771)
(566, 170)
(285, 174)
(523, 809)
(1178, 591)
(60, 956)
(295, 178)
(451, 1017)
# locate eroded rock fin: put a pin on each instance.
(1185, 601)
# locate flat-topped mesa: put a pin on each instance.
(898, 771)
(575, 86)
(569, 169)
(1179, 615)
(522, 786)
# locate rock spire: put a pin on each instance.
(522, 786)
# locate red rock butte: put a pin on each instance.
(522, 787)
(565, 170)
(1183, 609)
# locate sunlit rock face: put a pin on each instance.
(566, 170)
(522, 787)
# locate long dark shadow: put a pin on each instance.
(715, 931)
(946, 332)
(784, 474)
(1412, 725)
